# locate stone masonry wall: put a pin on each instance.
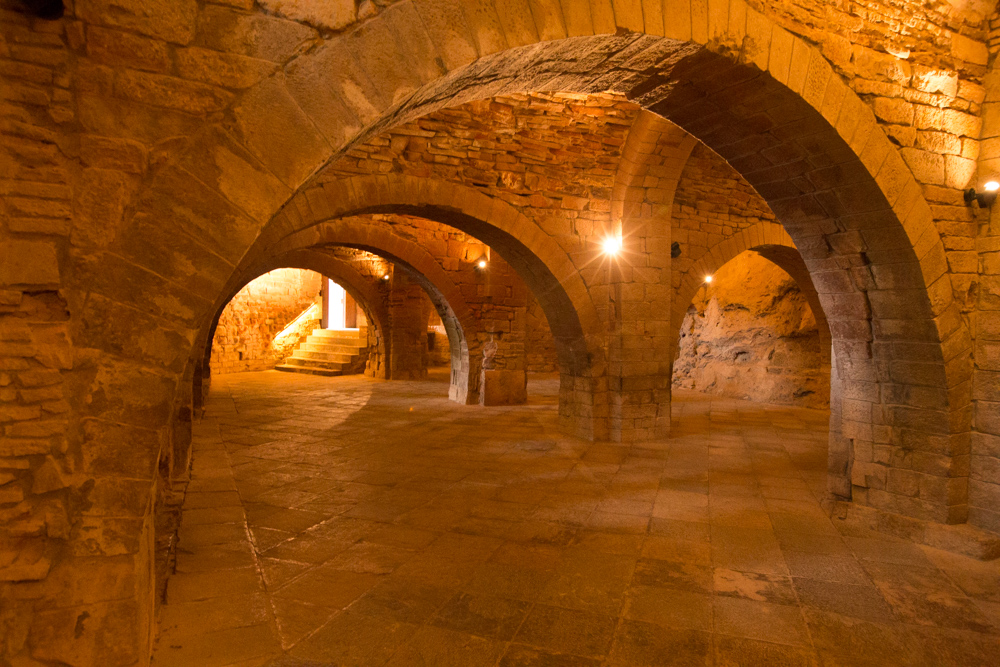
(712, 202)
(247, 327)
(553, 156)
(750, 334)
(541, 347)
(409, 310)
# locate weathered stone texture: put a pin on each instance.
(751, 334)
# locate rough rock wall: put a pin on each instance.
(750, 334)
(248, 325)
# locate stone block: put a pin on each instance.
(255, 34)
(170, 21)
(229, 70)
(331, 14)
(171, 92)
(87, 635)
(503, 387)
(968, 49)
(114, 48)
(28, 263)
(893, 110)
(927, 167)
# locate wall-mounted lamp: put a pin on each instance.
(708, 279)
(611, 245)
(986, 197)
(385, 277)
(481, 264)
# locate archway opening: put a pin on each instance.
(750, 333)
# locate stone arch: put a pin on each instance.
(762, 234)
(771, 241)
(761, 98)
(459, 319)
(545, 267)
(361, 290)
(748, 95)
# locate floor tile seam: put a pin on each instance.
(798, 601)
(256, 555)
(272, 621)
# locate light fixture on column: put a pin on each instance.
(708, 279)
(385, 276)
(611, 245)
(986, 197)
(481, 264)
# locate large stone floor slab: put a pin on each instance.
(345, 521)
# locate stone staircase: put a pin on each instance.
(329, 352)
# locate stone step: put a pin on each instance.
(310, 370)
(344, 340)
(327, 352)
(296, 360)
(348, 334)
(322, 345)
(321, 356)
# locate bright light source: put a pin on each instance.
(385, 277)
(612, 245)
(708, 279)
(992, 186)
(482, 264)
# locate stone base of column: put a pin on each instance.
(957, 538)
(503, 387)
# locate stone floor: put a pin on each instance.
(344, 521)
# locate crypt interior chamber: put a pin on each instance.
(469, 332)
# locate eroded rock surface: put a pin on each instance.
(751, 334)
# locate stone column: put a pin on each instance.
(503, 322)
(409, 310)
